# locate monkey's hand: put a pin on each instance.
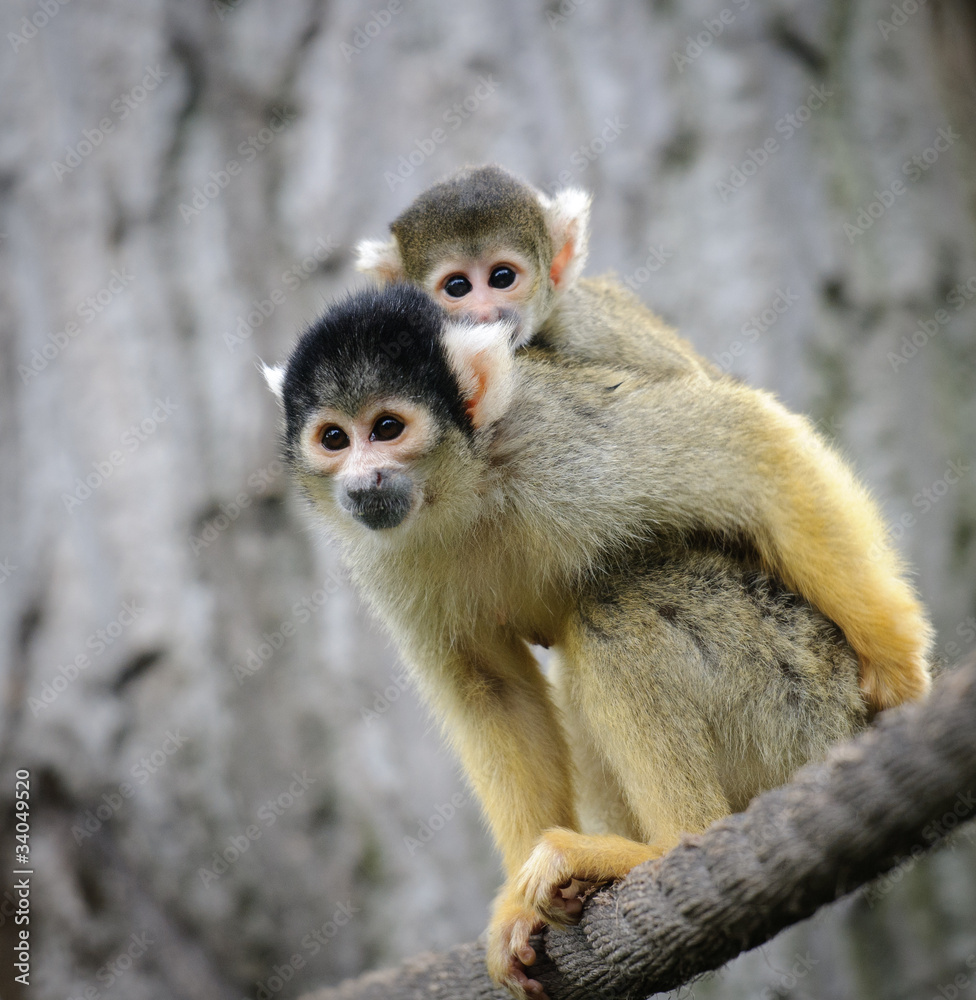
(887, 684)
(561, 869)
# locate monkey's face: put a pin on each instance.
(499, 285)
(487, 247)
(374, 460)
(388, 410)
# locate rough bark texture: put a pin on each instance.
(872, 803)
(146, 199)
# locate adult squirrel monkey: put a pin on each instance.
(484, 498)
(486, 245)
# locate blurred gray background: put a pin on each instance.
(235, 794)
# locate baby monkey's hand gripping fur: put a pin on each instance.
(484, 499)
(486, 245)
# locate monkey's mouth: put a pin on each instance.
(386, 516)
(379, 507)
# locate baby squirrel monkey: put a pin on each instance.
(486, 245)
(479, 508)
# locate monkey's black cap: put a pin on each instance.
(370, 344)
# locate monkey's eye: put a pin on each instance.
(457, 286)
(334, 438)
(386, 429)
(502, 276)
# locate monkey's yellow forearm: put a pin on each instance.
(498, 713)
(826, 540)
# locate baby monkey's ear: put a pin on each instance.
(274, 375)
(480, 354)
(380, 260)
(568, 219)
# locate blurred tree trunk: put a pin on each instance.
(233, 790)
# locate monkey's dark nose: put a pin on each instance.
(381, 500)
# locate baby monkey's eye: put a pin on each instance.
(334, 438)
(501, 276)
(457, 286)
(386, 429)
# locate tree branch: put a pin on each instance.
(838, 824)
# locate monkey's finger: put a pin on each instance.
(520, 985)
(532, 987)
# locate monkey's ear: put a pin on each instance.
(481, 356)
(380, 260)
(568, 218)
(274, 375)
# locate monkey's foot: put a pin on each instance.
(562, 868)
